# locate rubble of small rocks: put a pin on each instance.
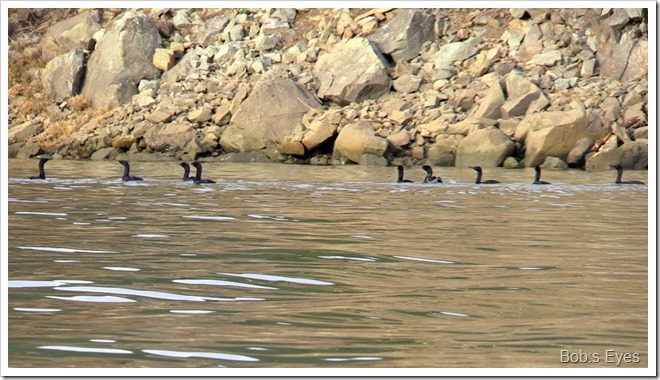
(489, 87)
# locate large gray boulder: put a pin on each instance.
(484, 147)
(490, 106)
(173, 136)
(456, 51)
(212, 29)
(63, 75)
(357, 139)
(443, 151)
(403, 36)
(270, 113)
(69, 34)
(318, 132)
(524, 97)
(122, 58)
(352, 72)
(556, 133)
(24, 131)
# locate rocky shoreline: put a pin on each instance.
(447, 87)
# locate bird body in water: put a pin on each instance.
(619, 173)
(186, 172)
(42, 173)
(400, 177)
(430, 178)
(127, 177)
(198, 174)
(537, 177)
(479, 174)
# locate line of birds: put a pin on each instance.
(429, 178)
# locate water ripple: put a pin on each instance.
(65, 250)
(205, 355)
(102, 299)
(266, 277)
(220, 283)
(87, 349)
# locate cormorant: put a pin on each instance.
(537, 177)
(42, 173)
(186, 172)
(198, 174)
(619, 173)
(400, 178)
(127, 169)
(478, 181)
(430, 178)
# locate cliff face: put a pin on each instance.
(489, 87)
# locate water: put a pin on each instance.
(302, 266)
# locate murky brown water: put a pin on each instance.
(301, 266)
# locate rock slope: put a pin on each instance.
(489, 87)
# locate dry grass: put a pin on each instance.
(78, 103)
(60, 131)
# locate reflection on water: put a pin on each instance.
(299, 266)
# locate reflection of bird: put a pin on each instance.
(127, 169)
(400, 178)
(198, 174)
(186, 172)
(430, 178)
(537, 177)
(478, 181)
(42, 173)
(619, 173)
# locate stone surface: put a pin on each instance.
(121, 59)
(63, 75)
(24, 131)
(163, 59)
(555, 133)
(292, 148)
(352, 71)
(356, 139)
(169, 136)
(524, 97)
(318, 132)
(484, 147)
(456, 51)
(575, 157)
(72, 33)
(491, 104)
(403, 36)
(267, 115)
(632, 155)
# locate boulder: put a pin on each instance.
(407, 83)
(200, 115)
(524, 97)
(556, 133)
(122, 58)
(181, 69)
(271, 112)
(491, 103)
(548, 58)
(631, 155)
(575, 156)
(294, 148)
(69, 34)
(399, 139)
(614, 52)
(456, 51)
(24, 131)
(484, 147)
(318, 132)
(28, 150)
(353, 71)
(168, 137)
(553, 163)
(123, 142)
(63, 75)
(443, 152)
(357, 139)
(163, 59)
(403, 36)
(212, 30)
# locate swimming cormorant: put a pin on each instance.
(186, 172)
(537, 177)
(430, 178)
(478, 181)
(619, 173)
(198, 174)
(127, 169)
(42, 173)
(400, 177)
